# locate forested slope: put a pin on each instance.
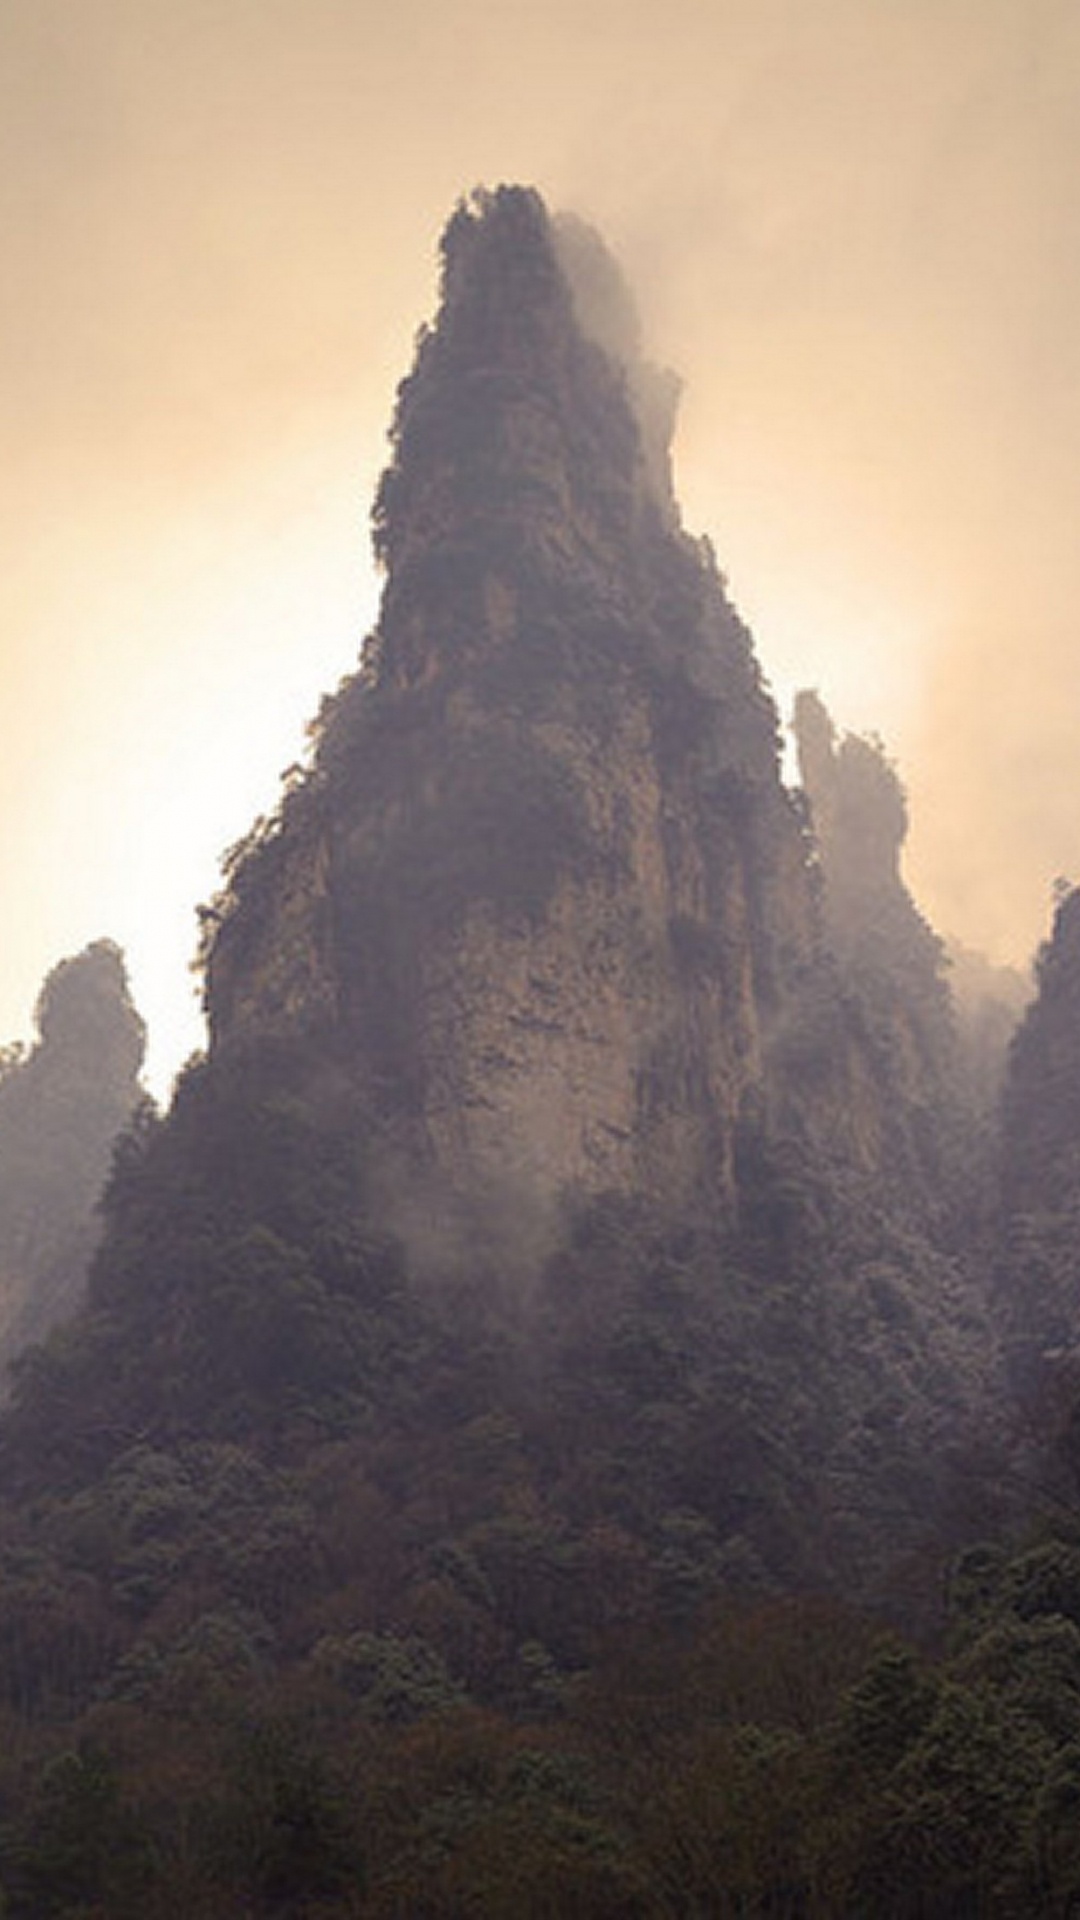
(544, 1358)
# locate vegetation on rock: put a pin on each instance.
(535, 1443)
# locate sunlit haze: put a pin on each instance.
(851, 226)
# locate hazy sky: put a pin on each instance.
(854, 229)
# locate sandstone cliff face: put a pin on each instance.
(60, 1111)
(544, 888)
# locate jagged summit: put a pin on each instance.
(531, 441)
(546, 885)
(515, 416)
(88, 1022)
(545, 889)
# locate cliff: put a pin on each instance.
(545, 1281)
(61, 1108)
(544, 888)
(538, 1086)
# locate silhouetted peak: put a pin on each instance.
(855, 795)
(502, 287)
(85, 1013)
(529, 433)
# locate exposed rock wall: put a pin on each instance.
(545, 887)
(534, 1078)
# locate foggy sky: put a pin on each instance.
(853, 229)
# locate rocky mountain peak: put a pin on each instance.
(529, 438)
(545, 889)
(527, 1018)
(546, 880)
(87, 1020)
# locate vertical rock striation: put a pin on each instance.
(544, 887)
(534, 977)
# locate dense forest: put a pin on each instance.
(573, 1409)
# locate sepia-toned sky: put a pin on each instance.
(854, 229)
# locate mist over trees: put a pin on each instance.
(573, 1411)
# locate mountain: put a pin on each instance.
(544, 889)
(61, 1107)
(532, 1024)
(558, 1268)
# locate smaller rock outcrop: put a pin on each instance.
(61, 1107)
(1039, 1171)
(890, 961)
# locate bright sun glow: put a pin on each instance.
(241, 616)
